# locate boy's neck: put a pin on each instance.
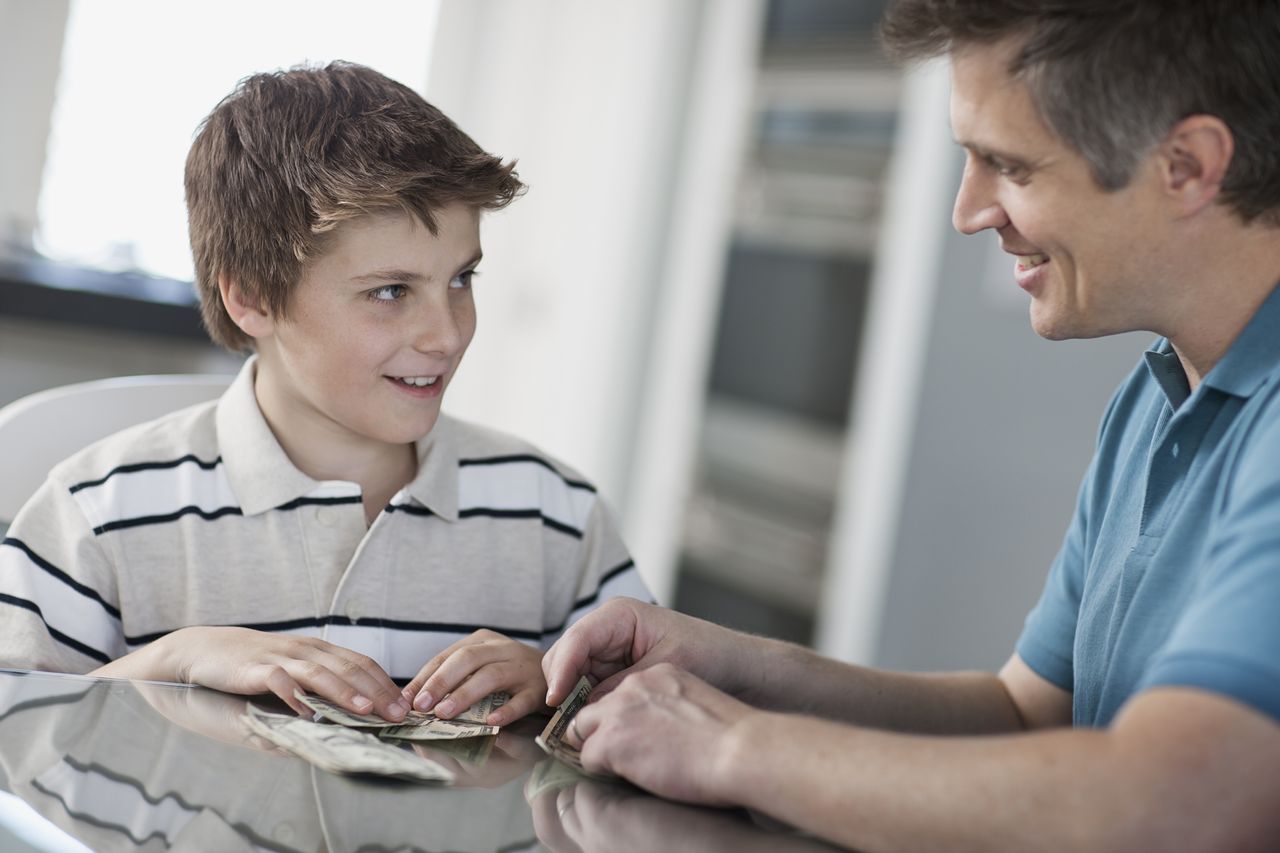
(324, 451)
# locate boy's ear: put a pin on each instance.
(1194, 158)
(252, 318)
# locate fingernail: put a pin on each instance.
(398, 709)
(360, 702)
(445, 708)
(423, 702)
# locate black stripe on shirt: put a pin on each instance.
(604, 579)
(58, 573)
(409, 509)
(472, 512)
(142, 521)
(87, 651)
(146, 466)
(365, 622)
(214, 514)
(525, 457)
(333, 501)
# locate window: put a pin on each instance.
(137, 78)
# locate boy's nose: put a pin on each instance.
(440, 331)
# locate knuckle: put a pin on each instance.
(313, 671)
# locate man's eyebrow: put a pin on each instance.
(992, 153)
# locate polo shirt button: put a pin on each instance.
(1174, 450)
(353, 611)
(326, 515)
(283, 832)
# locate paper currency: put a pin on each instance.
(339, 749)
(416, 725)
(552, 738)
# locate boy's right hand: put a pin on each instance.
(241, 660)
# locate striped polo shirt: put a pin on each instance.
(199, 518)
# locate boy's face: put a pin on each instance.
(375, 329)
(1091, 259)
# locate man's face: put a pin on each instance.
(375, 329)
(1090, 259)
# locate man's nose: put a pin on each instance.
(976, 207)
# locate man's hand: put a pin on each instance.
(665, 730)
(625, 635)
(241, 660)
(469, 670)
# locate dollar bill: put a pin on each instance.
(339, 749)
(552, 738)
(417, 725)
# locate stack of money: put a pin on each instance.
(416, 725)
(339, 749)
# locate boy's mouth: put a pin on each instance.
(415, 381)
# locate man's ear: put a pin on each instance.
(1194, 158)
(252, 318)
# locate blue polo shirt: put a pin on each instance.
(1170, 571)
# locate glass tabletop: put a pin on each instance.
(120, 765)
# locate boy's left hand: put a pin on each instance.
(469, 670)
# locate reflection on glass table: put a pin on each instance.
(118, 765)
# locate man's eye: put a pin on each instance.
(463, 279)
(387, 293)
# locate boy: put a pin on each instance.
(322, 526)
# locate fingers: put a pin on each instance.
(353, 680)
(599, 644)
(483, 663)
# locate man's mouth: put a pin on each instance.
(1026, 262)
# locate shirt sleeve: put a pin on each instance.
(59, 609)
(605, 569)
(1048, 637)
(1227, 640)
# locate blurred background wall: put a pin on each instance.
(732, 296)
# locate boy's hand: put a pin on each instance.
(469, 670)
(241, 660)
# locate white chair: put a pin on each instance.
(41, 429)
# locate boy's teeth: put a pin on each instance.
(419, 381)
(1028, 261)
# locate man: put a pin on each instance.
(1124, 153)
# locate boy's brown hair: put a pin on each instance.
(289, 155)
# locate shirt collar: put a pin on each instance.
(1254, 355)
(262, 476)
(436, 484)
(1251, 358)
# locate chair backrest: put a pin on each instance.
(41, 429)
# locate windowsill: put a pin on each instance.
(41, 289)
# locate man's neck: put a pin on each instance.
(1231, 281)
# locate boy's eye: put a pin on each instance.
(388, 293)
(463, 279)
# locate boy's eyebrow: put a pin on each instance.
(394, 274)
